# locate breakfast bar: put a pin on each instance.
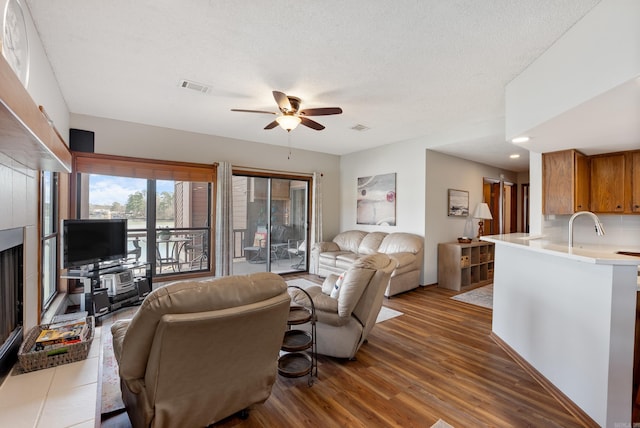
(569, 314)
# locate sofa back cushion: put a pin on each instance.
(371, 242)
(400, 242)
(350, 240)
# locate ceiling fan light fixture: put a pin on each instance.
(288, 122)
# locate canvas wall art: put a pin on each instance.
(458, 203)
(376, 202)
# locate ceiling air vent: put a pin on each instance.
(359, 127)
(195, 86)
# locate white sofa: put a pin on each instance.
(406, 249)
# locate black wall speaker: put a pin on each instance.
(81, 140)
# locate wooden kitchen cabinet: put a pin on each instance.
(565, 182)
(635, 182)
(608, 183)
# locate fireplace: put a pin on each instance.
(11, 296)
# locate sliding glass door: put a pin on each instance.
(270, 222)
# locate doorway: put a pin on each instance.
(501, 196)
(270, 223)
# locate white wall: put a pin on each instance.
(572, 321)
(404, 159)
(535, 193)
(578, 67)
(422, 182)
(587, 61)
(152, 142)
(42, 84)
(407, 161)
(445, 172)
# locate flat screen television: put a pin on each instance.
(88, 241)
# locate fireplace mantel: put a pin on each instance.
(26, 135)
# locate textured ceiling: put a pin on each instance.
(404, 69)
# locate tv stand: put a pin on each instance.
(109, 288)
(112, 269)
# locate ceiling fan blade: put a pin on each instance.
(252, 111)
(325, 111)
(311, 123)
(271, 125)
(283, 101)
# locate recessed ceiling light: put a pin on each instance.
(514, 156)
(520, 140)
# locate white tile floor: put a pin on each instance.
(59, 397)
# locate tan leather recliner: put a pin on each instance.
(199, 351)
(343, 323)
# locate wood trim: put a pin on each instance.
(513, 209)
(571, 407)
(270, 174)
(122, 166)
(27, 136)
(628, 182)
(525, 205)
(39, 249)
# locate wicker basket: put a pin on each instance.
(31, 360)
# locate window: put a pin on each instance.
(167, 206)
(49, 236)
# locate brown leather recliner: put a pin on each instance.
(199, 351)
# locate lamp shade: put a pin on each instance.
(288, 122)
(482, 211)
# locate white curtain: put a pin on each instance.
(224, 220)
(316, 218)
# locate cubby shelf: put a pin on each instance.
(464, 265)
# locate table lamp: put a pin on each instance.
(482, 213)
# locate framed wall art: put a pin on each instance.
(376, 202)
(458, 203)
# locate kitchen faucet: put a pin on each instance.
(599, 226)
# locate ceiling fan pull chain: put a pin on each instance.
(289, 140)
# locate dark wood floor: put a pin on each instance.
(436, 361)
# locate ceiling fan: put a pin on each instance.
(291, 115)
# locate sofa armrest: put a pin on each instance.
(118, 331)
(325, 303)
(299, 297)
(321, 301)
(403, 259)
(322, 247)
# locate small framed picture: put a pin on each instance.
(458, 203)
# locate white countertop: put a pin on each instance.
(598, 254)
